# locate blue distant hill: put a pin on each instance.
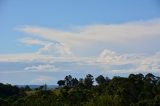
(37, 86)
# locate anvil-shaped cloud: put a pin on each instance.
(57, 52)
(83, 36)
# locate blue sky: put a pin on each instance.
(41, 41)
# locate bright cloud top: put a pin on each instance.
(82, 36)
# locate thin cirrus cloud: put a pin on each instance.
(30, 41)
(42, 68)
(82, 36)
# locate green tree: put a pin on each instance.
(100, 80)
(61, 83)
(88, 81)
(68, 80)
(74, 82)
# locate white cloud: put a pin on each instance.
(42, 68)
(55, 50)
(107, 60)
(57, 47)
(138, 63)
(31, 41)
(114, 33)
(113, 58)
(48, 47)
(18, 57)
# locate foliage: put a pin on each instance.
(136, 90)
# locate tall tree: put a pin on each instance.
(68, 80)
(61, 83)
(100, 80)
(74, 82)
(88, 81)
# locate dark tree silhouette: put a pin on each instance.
(61, 83)
(100, 80)
(88, 81)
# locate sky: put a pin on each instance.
(42, 41)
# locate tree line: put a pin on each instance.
(134, 90)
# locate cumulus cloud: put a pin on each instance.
(55, 49)
(48, 47)
(111, 57)
(130, 63)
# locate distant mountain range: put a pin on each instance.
(37, 86)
